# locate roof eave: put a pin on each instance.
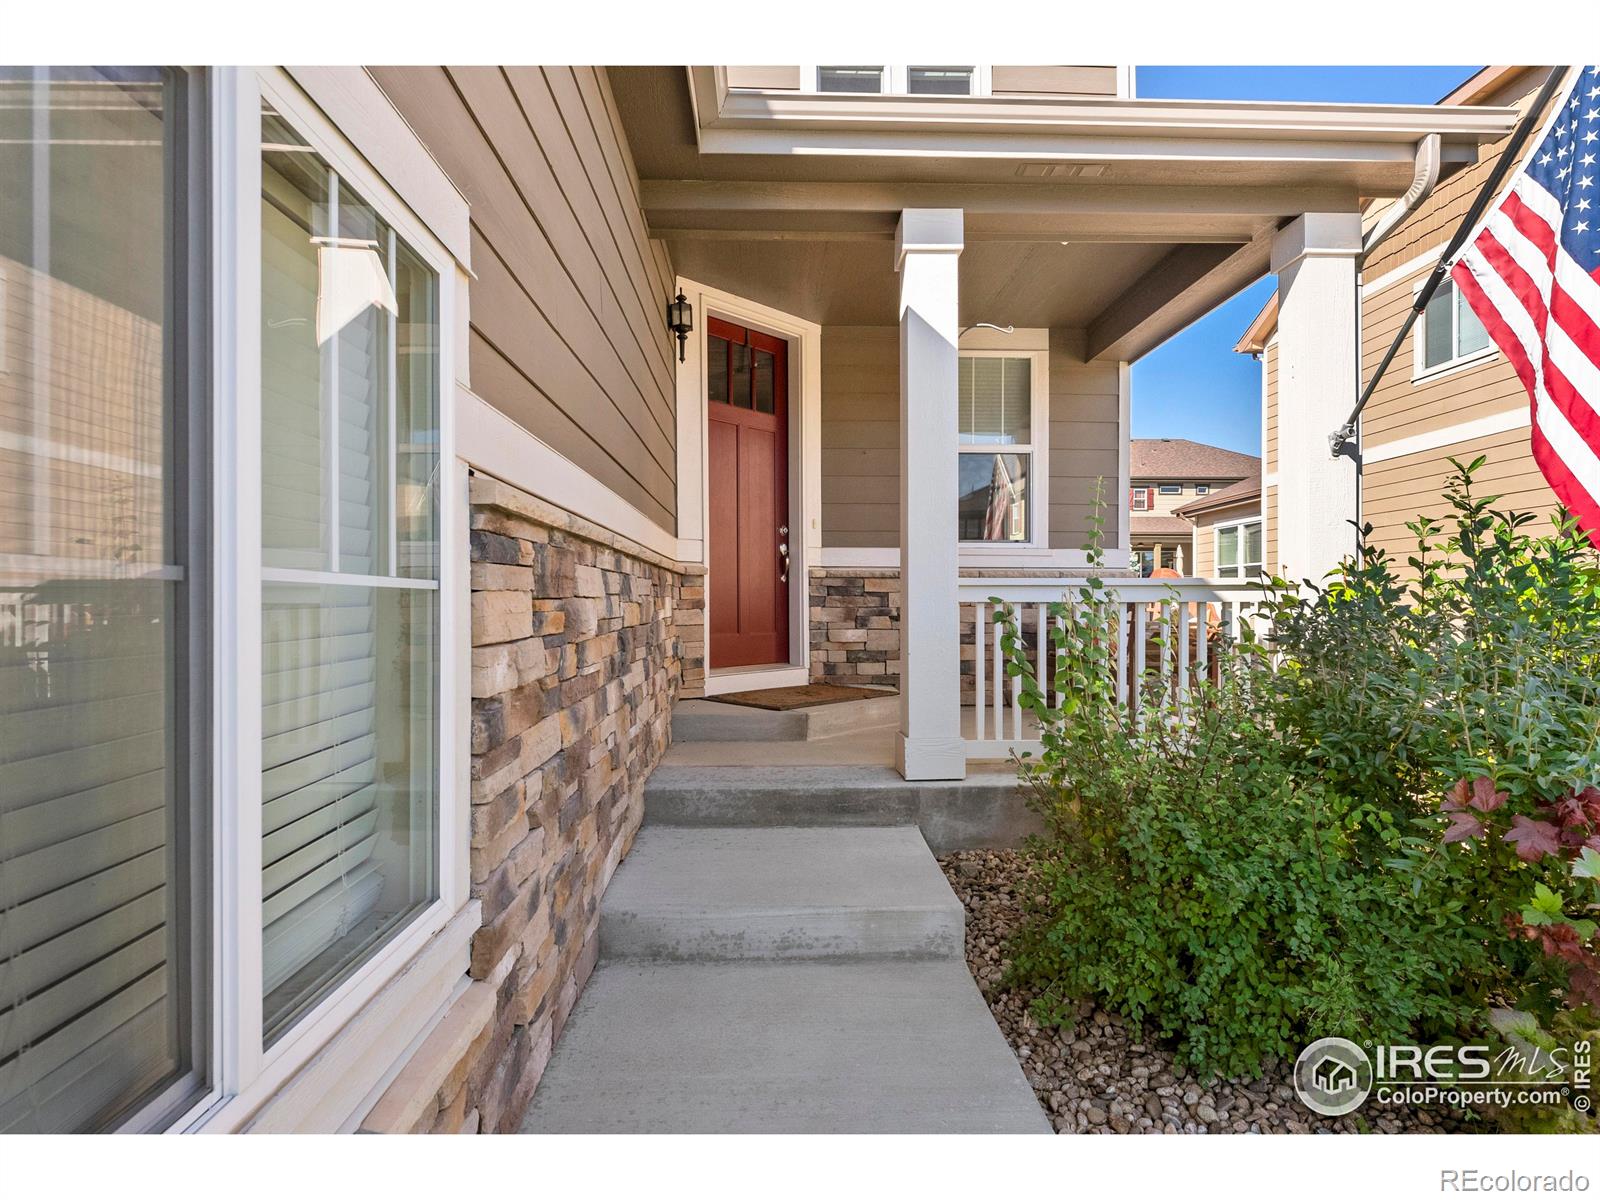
(1104, 129)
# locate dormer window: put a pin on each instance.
(940, 81)
(851, 79)
(896, 80)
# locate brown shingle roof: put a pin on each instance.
(1171, 459)
(1159, 527)
(1234, 493)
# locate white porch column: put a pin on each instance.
(1315, 261)
(927, 250)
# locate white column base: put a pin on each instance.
(930, 758)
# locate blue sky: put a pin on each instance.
(1194, 386)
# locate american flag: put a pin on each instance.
(1531, 272)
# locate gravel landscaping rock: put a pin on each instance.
(1101, 1076)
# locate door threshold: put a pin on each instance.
(749, 679)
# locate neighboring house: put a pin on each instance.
(1227, 531)
(1164, 475)
(1449, 392)
(366, 518)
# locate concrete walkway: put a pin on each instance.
(782, 980)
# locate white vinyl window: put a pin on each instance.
(1140, 499)
(897, 80)
(350, 577)
(1002, 420)
(339, 539)
(1202, 489)
(228, 801)
(1449, 333)
(1238, 549)
(105, 798)
(1172, 489)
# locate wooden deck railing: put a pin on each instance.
(1169, 633)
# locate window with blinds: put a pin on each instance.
(1239, 550)
(349, 622)
(995, 409)
(103, 706)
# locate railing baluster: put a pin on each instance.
(1122, 653)
(980, 619)
(1139, 611)
(1042, 650)
(1183, 654)
(1139, 619)
(999, 677)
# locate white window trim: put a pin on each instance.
(1420, 371)
(1238, 523)
(244, 1075)
(897, 78)
(1038, 451)
(1145, 489)
(1169, 489)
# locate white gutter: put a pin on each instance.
(1425, 175)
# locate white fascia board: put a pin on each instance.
(782, 122)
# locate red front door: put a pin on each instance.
(747, 418)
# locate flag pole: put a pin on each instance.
(1341, 438)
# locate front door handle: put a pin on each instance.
(783, 549)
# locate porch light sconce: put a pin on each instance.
(680, 319)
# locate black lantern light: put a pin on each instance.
(680, 319)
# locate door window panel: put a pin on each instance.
(717, 369)
(762, 383)
(103, 702)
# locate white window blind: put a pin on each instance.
(349, 605)
(99, 950)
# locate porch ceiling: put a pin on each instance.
(1127, 219)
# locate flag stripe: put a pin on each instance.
(1531, 272)
(1569, 465)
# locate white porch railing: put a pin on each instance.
(1191, 621)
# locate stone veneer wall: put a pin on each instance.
(581, 641)
(855, 624)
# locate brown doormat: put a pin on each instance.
(784, 698)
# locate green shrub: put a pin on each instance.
(1191, 883)
(1370, 828)
(1464, 701)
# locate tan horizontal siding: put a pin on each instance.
(1433, 223)
(1085, 438)
(1205, 552)
(1403, 406)
(1403, 489)
(861, 438)
(1269, 528)
(776, 78)
(1269, 439)
(568, 337)
(1205, 541)
(1012, 81)
(1071, 81)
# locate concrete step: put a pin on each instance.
(723, 894)
(715, 721)
(878, 1046)
(984, 810)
